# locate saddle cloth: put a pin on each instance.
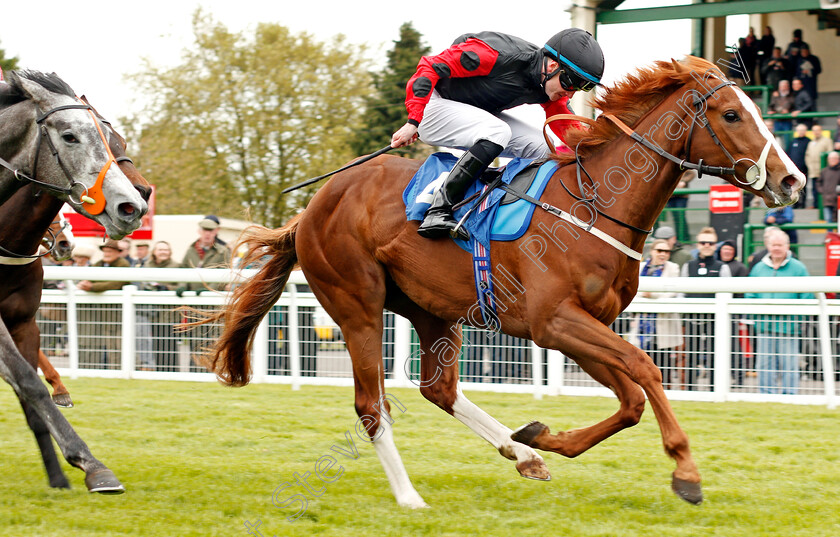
(494, 220)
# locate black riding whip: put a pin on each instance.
(354, 163)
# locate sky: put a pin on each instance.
(93, 44)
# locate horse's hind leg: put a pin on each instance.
(574, 442)
(61, 396)
(440, 342)
(355, 301)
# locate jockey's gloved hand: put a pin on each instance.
(180, 291)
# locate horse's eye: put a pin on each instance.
(731, 116)
(69, 138)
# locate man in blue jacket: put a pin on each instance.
(777, 336)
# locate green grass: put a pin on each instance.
(201, 459)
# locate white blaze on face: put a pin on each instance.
(747, 103)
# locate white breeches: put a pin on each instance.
(459, 126)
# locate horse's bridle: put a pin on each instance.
(756, 171)
(93, 196)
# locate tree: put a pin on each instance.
(7, 64)
(385, 111)
(243, 117)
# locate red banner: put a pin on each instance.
(85, 227)
(725, 199)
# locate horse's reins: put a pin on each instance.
(93, 196)
(757, 170)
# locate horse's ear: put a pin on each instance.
(677, 67)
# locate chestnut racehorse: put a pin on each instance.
(560, 285)
(77, 143)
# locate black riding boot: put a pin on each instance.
(438, 221)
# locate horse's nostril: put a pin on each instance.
(127, 209)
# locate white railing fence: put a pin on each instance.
(721, 349)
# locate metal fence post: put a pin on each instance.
(72, 328)
(825, 351)
(259, 355)
(556, 372)
(537, 370)
(722, 380)
(294, 337)
(128, 348)
(402, 350)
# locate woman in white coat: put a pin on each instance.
(658, 334)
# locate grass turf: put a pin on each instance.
(202, 459)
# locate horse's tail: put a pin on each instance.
(230, 355)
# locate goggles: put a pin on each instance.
(572, 82)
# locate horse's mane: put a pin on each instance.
(12, 92)
(630, 99)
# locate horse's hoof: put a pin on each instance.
(688, 491)
(60, 482)
(104, 481)
(534, 469)
(527, 433)
(62, 400)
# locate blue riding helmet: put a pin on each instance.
(580, 57)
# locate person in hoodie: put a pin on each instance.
(727, 253)
(778, 335)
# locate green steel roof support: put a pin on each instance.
(703, 11)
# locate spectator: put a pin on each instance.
(81, 255)
(141, 254)
(743, 70)
(795, 45)
(796, 151)
(99, 331)
(658, 334)
(829, 179)
(125, 250)
(813, 161)
(205, 252)
(699, 330)
(727, 253)
(755, 257)
(779, 216)
(777, 349)
(802, 101)
(837, 135)
(678, 253)
(766, 46)
(807, 69)
(782, 103)
(775, 69)
(156, 342)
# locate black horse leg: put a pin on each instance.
(15, 370)
(42, 436)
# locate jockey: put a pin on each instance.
(457, 99)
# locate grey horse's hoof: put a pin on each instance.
(104, 481)
(688, 491)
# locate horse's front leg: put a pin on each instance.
(578, 334)
(61, 396)
(34, 396)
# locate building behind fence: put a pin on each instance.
(134, 334)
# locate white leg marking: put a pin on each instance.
(488, 428)
(388, 455)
